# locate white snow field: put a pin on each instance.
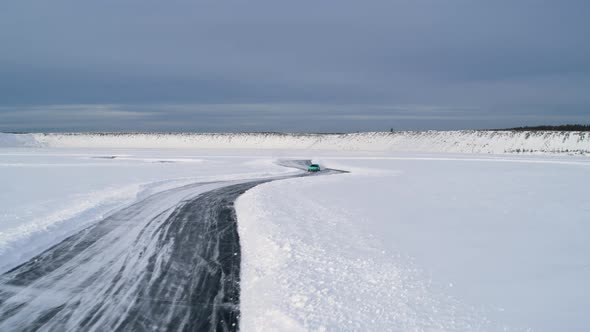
(468, 141)
(429, 240)
(407, 243)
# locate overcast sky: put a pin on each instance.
(317, 66)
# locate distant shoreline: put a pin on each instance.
(567, 127)
(557, 128)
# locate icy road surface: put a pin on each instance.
(49, 194)
(155, 265)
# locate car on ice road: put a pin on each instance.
(313, 168)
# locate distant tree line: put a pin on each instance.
(567, 127)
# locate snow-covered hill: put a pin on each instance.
(408, 141)
(17, 140)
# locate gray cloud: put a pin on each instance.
(271, 117)
(298, 66)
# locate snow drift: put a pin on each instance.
(495, 142)
(18, 140)
(419, 244)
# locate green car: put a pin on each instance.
(313, 168)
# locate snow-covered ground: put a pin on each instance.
(405, 241)
(468, 141)
(415, 243)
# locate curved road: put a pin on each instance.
(170, 262)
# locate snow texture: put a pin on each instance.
(49, 194)
(407, 243)
(496, 142)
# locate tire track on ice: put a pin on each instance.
(170, 262)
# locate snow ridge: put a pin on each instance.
(471, 141)
(17, 140)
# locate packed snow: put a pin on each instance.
(407, 241)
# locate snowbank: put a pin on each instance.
(307, 267)
(495, 142)
(18, 140)
(416, 244)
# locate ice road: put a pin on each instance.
(170, 262)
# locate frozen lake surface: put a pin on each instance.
(404, 241)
